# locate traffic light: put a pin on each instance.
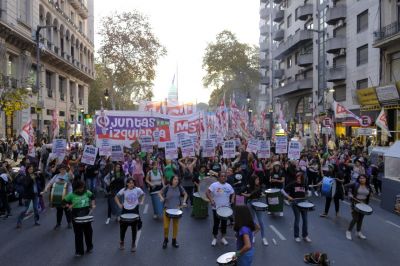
(88, 119)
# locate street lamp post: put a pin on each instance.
(37, 89)
(82, 111)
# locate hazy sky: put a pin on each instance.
(185, 27)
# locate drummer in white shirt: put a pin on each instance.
(220, 194)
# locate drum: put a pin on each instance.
(306, 205)
(363, 208)
(157, 204)
(328, 188)
(274, 200)
(227, 259)
(173, 213)
(83, 219)
(57, 194)
(204, 185)
(259, 206)
(224, 212)
(129, 217)
(200, 206)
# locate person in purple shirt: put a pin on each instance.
(244, 228)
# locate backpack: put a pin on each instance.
(181, 190)
(328, 187)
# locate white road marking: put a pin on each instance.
(138, 238)
(392, 223)
(274, 241)
(146, 209)
(277, 232)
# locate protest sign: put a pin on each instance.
(89, 155)
(229, 149)
(171, 150)
(117, 153)
(281, 144)
(252, 146)
(264, 150)
(294, 150)
(59, 146)
(104, 146)
(187, 148)
(208, 148)
(146, 143)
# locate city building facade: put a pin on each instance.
(315, 51)
(66, 67)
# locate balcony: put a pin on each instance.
(297, 85)
(278, 15)
(305, 60)
(292, 43)
(264, 12)
(336, 74)
(277, 1)
(279, 73)
(264, 46)
(278, 35)
(80, 7)
(264, 1)
(334, 14)
(264, 63)
(80, 101)
(305, 11)
(388, 35)
(265, 80)
(264, 29)
(333, 45)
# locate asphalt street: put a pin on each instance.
(43, 246)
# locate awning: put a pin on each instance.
(367, 96)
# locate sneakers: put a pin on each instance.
(281, 214)
(348, 235)
(133, 249)
(323, 215)
(307, 239)
(108, 221)
(254, 239)
(37, 224)
(78, 255)
(18, 226)
(265, 242)
(56, 227)
(155, 216)
(214, 242)
(316, 193)
(121, 245)
(361, 236)
(223, 241)
(297, 239)
(165, 243)
(174, 243)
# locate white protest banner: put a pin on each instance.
(194, 138)
(171, 150)
(213, 136)
(219, 139)
(89, 155)
(237, 142)
(179, 137)
(156, 137)
(294, 150)
(117, 153)
(208, 148)
(252, 146)
(146, 143)
(104, 146)
(229, 149)
(264, 150)
(59, 146)
(281, 144)
(187, 148)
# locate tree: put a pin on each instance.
(130, 52)
(230, 67)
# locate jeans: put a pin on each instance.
(60, 211)
(175, 226)
(297, 212)
(357, 219)
(35, 201)
(246, 259)
(123, 226)
(328, 201)
(91, 184)
(217, 222)
(80, 230)
(259, 216)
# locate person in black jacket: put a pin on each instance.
(115, 181)
(32, 188)
(360, 193)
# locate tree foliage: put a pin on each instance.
(12, 99)
(231, 66)
(130, 52)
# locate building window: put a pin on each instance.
(289, 20)
(289, 62)
(362, 21)
(49, 112)
(362, 55)
(295, 14)
(80, 25)
(23, 8)
(340, 93)
(61, 88)
(362, 84)
(49, 85)
(61, 113)
(296, 55)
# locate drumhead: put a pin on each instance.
(363, 207)
(154, 192)
(272, 190)
(305, 204)
(226, 258)
(224, 211)
(174, 212)
(129, 216)
(84, 218)
(259, 204)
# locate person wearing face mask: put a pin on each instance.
(360, 193)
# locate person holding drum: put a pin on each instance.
(172, 195)
(296, 192)
(81, 202)
(360, 193)
(221, 195)
(155, 181)
(277, 179)
(62, 179)
(245, 229)
(133, 196)
(253, 193)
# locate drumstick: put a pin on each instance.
(356, 199)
